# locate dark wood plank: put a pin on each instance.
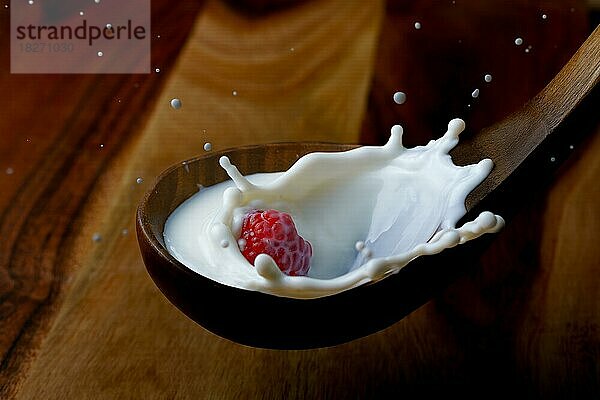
(59, 133)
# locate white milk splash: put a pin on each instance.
(398, 203)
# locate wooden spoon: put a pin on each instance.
(525, 144)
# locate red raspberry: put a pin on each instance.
(273, 233)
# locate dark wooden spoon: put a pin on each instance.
(528, 143)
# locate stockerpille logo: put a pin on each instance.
(80, 36)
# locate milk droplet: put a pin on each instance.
(207, 146)
(292, 49)
(30, 2)
(176, 104)
(359, 245)
(552, 159)
(518, 41)
(124, 231)
(417, 25)
(527, 50)
(475, 93)
(224, 243)
(544, 16)
(108, 26)
(96, 237)
(139, 180)
(241, 244)
(101, 145)
(97, 1)
(203, 130)
(571, 147)
(487, 78)
(9, 171)
(81, 13)
(157, 70)
(100, 54)
(234, 92)
(399, 97)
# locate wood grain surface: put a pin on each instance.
(81, 318)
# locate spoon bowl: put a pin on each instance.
(264, 320)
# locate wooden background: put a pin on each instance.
(81, 318)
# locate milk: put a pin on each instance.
(367, 213)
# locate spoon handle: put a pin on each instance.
(537, 132)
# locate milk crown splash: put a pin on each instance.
(367, 212)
